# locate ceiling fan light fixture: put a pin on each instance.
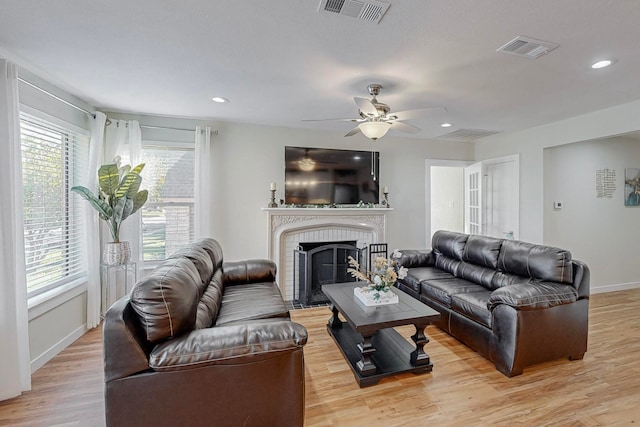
(374, 130)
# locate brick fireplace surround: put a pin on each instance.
(288, 227)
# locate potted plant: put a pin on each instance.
(117, 199)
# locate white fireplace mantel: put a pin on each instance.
(290, 226)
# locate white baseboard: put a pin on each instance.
(39, 361)
(614, 288)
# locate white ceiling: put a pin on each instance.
(283, 61)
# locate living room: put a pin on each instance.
(248, 153)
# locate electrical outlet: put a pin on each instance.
(557, 205)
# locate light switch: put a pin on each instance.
(557, 205)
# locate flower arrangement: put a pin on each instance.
(383, 274)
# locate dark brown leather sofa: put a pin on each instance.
(202, 343)
(515, 303)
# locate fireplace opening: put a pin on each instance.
(321, 263)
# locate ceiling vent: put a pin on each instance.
(527, 47)
(368, 10)
(467, 135)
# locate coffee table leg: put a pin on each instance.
(365, 365)
(418, 356)
(334, 321)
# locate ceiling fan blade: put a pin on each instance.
(412, 114)
(353, 131)
(366, 106)
(404, 127)
(331, 120)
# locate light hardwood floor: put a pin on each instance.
(463, 389)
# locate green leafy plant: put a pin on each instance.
(118, 197)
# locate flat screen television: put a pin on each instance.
(322, 176)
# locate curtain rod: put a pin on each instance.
(213, 131)
(88, 113)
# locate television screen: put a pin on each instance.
(321, 176)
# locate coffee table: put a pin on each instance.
(367, 339)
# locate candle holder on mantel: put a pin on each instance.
(385, 201)
(273, 203)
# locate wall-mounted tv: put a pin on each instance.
(322, 176)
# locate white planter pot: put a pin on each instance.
(116, 253)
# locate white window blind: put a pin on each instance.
(168, 215)
(54, 159)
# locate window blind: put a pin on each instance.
(53, 160)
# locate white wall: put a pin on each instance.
(601, 231)
(530, 144)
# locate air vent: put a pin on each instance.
(368, 10)
(527, 47)
(467, 135)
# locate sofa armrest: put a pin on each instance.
(533, 295)
(124, 346)
(412, 258)
(232, 344)
(249, 271)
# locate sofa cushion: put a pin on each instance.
(539, 262)
(449, 243)
(209, 304)
(416, 275)
(167, 299)
(231, 344)
(213, 248)
(533, 295)
(473, 305)
(476, 274)
(441, 290)
(202, 261)
(482, 250)
(448, 264)
(251, 301)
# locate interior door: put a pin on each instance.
(500, 199)
(473, 199)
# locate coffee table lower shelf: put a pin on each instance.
(391, 357)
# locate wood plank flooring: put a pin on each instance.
(463, 389)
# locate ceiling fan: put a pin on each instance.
(376, 117)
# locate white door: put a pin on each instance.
(473, 199)
(501, 199)
(492, 197)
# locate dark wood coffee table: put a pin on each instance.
(367, 341)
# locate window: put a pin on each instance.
(54, 159)
(168, 215)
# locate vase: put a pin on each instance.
(116, 253)
(368, 297)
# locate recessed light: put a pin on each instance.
(446, 125)
(219, 99)
(601, 64)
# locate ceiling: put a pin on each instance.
(280, 62)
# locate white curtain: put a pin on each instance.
(15, 367)
(92, 221)
(128, 145)
(203, 183)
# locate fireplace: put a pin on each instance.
(321, 263)
(290, 226)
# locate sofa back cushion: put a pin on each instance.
(449, 244)
(536, 261)
(482, 250)
(166, 301)
(201, 260)
(209, 304)
(213, 248)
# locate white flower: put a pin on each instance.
(402, 272)
(377, 280)
(396, 254)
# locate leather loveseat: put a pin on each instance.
(515, 303)
(200, 342)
